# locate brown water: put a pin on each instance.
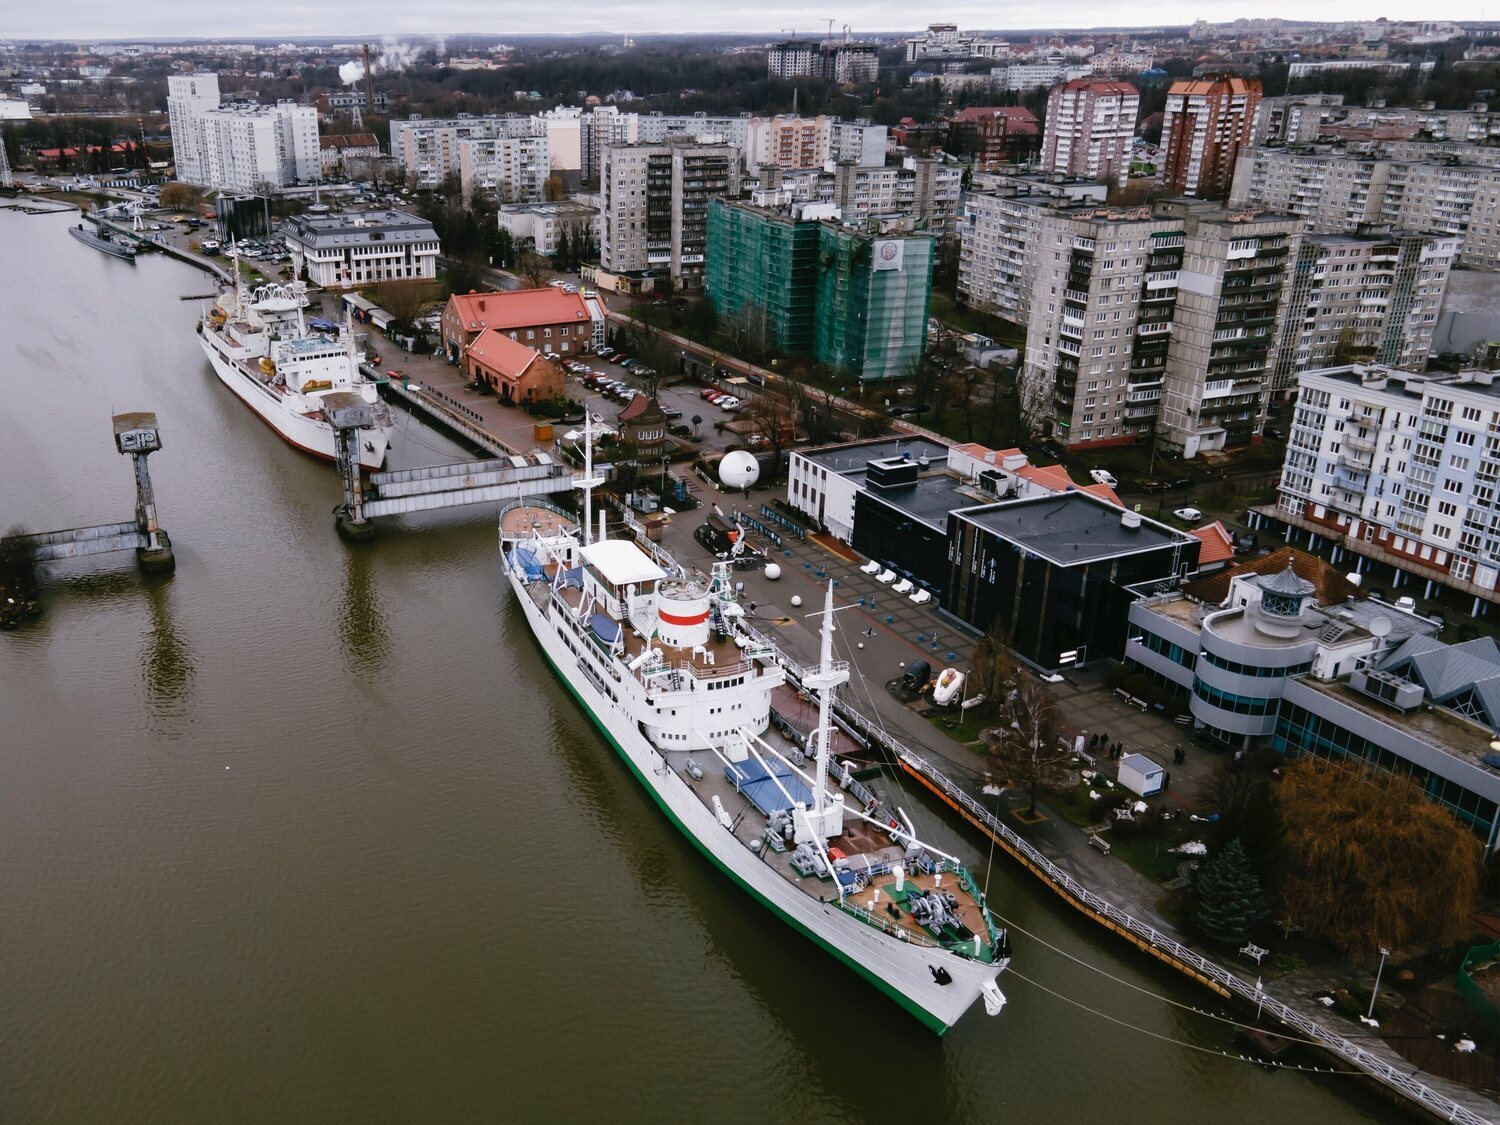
(308, 832)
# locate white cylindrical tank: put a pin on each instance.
(682, 612)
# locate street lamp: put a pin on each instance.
(1384, 953)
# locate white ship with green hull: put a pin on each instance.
(665, 665)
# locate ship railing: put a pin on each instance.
(1200, 966)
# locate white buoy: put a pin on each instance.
(773, 571)
(861, 644)
(796, 600)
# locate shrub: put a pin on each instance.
(1116, 675)
(1137, 684)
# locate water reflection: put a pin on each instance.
(362, 628)
(166, 660)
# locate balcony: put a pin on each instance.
(1068, 347)
(1165, 279)
(1354, 459)
(1359, 441)
(1078, 295)
(1153, 328)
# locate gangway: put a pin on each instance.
(138, 436)
(426, 489)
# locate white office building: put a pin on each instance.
(362, 247)
(188, 96)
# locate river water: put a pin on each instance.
(308, 831)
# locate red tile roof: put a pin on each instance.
(518, 308)
(500, 353)
(1218, 543)
(1015, 113)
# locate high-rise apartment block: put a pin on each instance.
(800, 281)
(1090, 128)
(838, 62)
(189, 95)
(1164, 319)
(1338, 191)
(428, 147)
(997, 232)
(654, 204)
(1402, 468)
(917, 192)
(1206, 123)
(1373, 297)
(507, 169)
(240, 147)
(786, 141)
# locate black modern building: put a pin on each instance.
(901, 516)
(1053, 571)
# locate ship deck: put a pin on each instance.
(861, 842)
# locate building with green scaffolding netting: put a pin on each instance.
(794, 280)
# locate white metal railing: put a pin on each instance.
(1372, 1065)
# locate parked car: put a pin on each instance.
(1276, 432)
(671, 411)
(757, 441)
(1103, 476)
(901, 411)
(1192, 515)
(729, 403)
(1181, 482)
(708, 393)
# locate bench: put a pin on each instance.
(1099, 842)
(1254, 952)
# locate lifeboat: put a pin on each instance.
(268, 365)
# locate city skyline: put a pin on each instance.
(96, 19)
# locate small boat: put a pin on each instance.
(103, 239)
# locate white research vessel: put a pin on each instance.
(664, 663)
(260, 348)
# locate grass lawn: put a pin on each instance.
(949, 311)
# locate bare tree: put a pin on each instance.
(1026, 745)
(773, 417)
(1032, 391)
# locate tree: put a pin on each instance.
(554, 189)
(465, 274)
(994, 671)
(1031, 392)
(181, 197)
(1250, 812)
(1229, 898)
(404, 300)
(813, 408)
(1371, 861)
(771, 416)
(1027, 745)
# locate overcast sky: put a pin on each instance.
(179, 18)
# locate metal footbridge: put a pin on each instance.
(436, 486)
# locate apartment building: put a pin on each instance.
(924, 190)
(1400, 468)
(1164, 319)
(239, 147)
(787, 141)
(428, 147)
(362, 247)
(1337, 190)
(654, 205)
(802, 281)
(545, 224)
(507, 169)
(1205, 124)
(605, 125)
(1037, 74)
(654, 128)
(1373, 296)
(841, 62)
(1089, 129)
(996, 134)
(998, 237)
(860, 141)
(189, 95)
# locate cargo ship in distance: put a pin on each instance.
(260, 347)
(664, 662)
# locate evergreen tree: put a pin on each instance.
(1229, 899)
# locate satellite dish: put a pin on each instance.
(1380, 626)
(739, 469)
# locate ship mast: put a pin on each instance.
(588, 482)
(829, 675)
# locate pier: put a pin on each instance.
(430, 488)
(137, 436)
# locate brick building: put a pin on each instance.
(546, 319)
